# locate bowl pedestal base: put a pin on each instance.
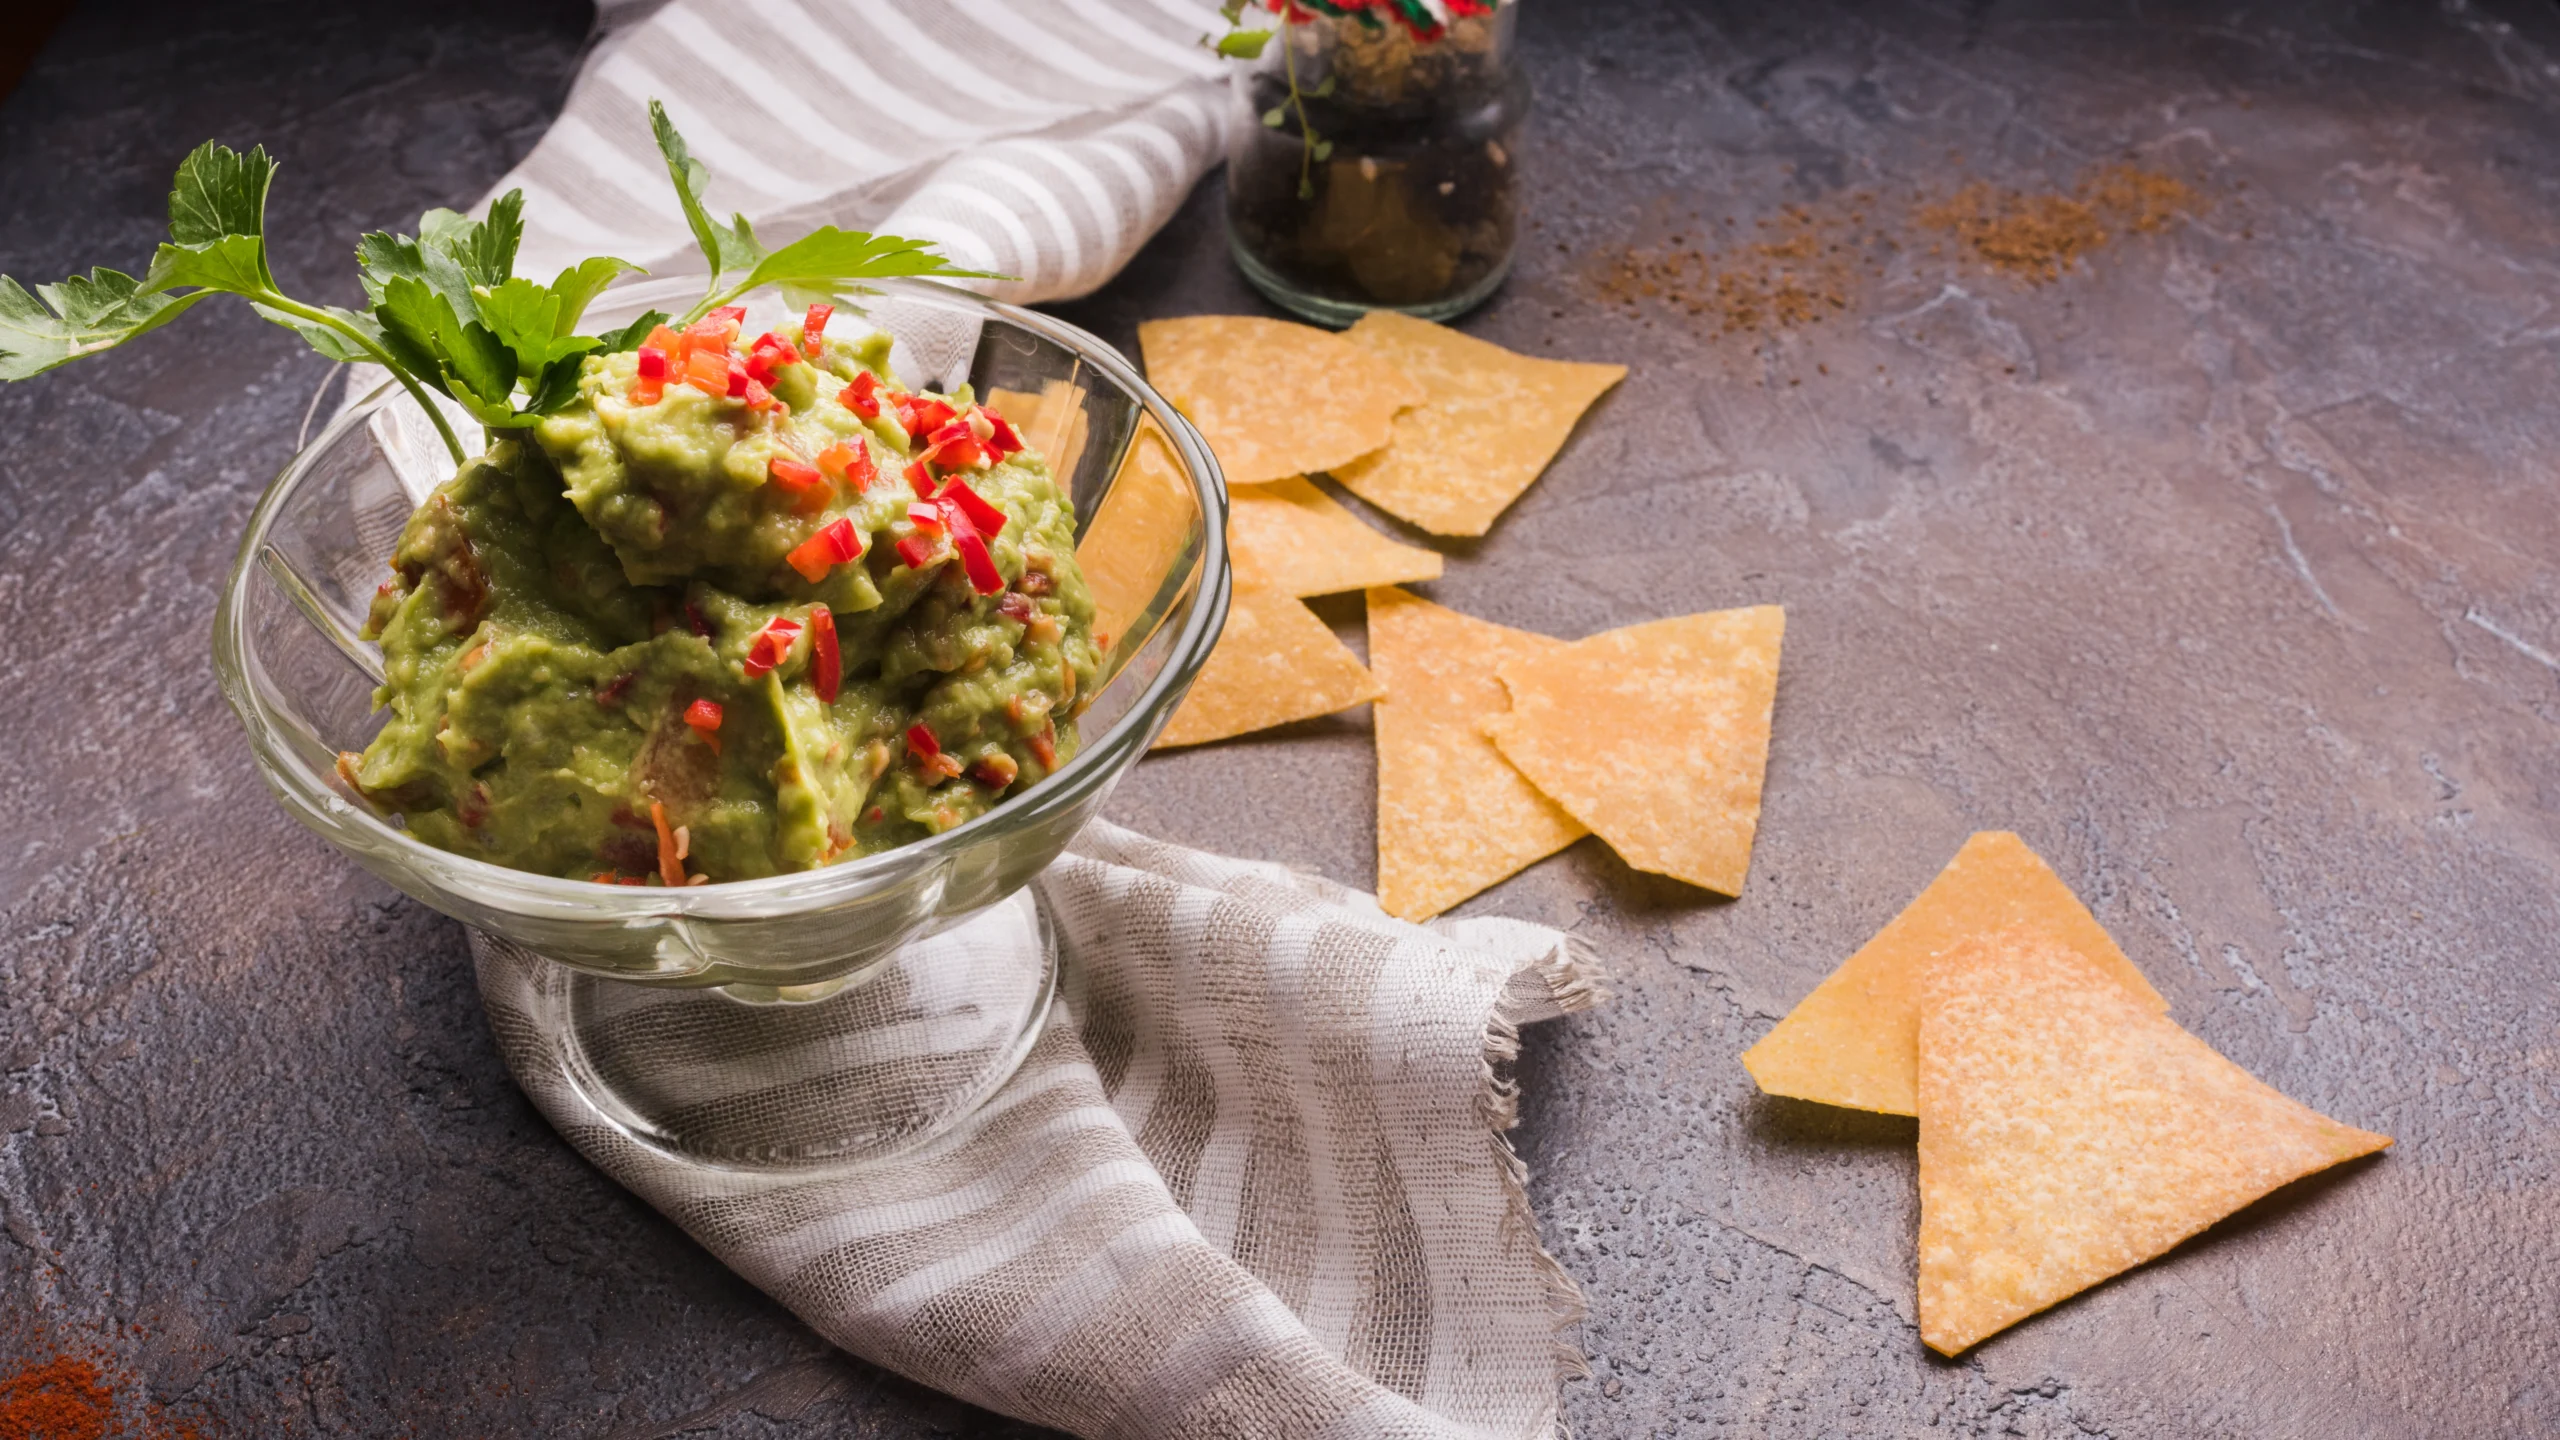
(788, 1079)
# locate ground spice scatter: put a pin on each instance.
(2036, 237)
(61, 1399)
(1807, 262)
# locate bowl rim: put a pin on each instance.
(1098, 762)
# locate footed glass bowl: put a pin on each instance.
(922, 954)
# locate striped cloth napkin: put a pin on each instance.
(1251, 1181)
(1253, 1178)
(1045, 139)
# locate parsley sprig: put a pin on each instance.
(446, 313)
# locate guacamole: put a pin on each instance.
(738, 610)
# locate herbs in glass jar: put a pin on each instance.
(1378, 166)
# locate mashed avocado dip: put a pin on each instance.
(738, 610)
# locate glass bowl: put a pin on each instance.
(949, 912)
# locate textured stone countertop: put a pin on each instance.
(2223, 569)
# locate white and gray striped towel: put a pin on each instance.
(1045, 139)
(1251, 1182)
(1253, 1179)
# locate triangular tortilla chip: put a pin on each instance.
(2069, 1132)
(1275, 662)
(1051, 422)
(1274, 399)
(1855, 1041)
(1129, 548)
(1655, 736)
(1292, 537)
(1491, 423)
(1453, 816)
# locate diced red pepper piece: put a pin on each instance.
(813, 329)
(826, 662)
(1017, 606)
(736, 378)
(704, 717)
(921, 744)
(707, 370)
(645, 391)
(736, 315)
(862, 397)
(848, 463)
(919, 550)
(981, 512)
(759, 367)
(711, 332)
(771, 646)
(995, 771)
(1002, 438)
(758, 398)
(802, 483)
(955, 446)
(975, 558)
(652, 363)
(922, 414)
(1044, 746)
(919, 479)
(833, 545)
(926, 516)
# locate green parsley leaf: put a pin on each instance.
(580, 284)
(87, 314)
(1243, 44)
(327, 340)
(726, 247)
(464, 359)
(630, 336)
(827, 262)
(219, 192)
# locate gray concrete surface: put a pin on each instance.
(2222, 570)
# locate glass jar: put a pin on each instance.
(1371, 170)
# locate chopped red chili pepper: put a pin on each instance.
(862, 396)
(833, 545)
(1044, 746)
(995, 771)
(669, 343)
(926, 516)
(813, 328)
(800, 482)
(919, 479)
(736, 315)
(1002, 439)
(918, 551)
(645, 391)
(771, 646)
(981, 512)
(826, 662)
(758, 398)
(922, 414)
(652, 363)
(978, 561)
(848, 463)
(704, 717)
(707, 370)
(737, 379)
(921, 744)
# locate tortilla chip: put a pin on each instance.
(1292, 537)
(1051, 422)
(1855, 1041)
(1275, 662)
(1655, 736)
(1129, 549)
(1453, 816)
(1275, 399)
(1491, 423)
(2068, 1132)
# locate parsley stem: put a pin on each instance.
(381, 357)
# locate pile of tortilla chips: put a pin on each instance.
(1495, 747)
(2069, 1129)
